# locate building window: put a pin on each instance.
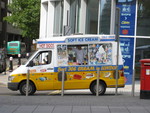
(101, 8)
(105, 16)
(92, 16)
(143, 24)
(142, 52)
(58, 19)
(74, 15)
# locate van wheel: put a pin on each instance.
(102, 88)
(22, 88)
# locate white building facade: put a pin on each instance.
(66, 17)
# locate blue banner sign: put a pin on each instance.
(127, 48)
(127, 17)
(90, 39)
(82, 39)
(127, 28)
(88, 68)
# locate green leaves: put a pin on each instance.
(26, 16)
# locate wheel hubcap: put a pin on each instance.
(24, 88)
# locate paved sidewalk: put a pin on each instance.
(73, 109)
(4, 76)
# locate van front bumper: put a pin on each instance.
(13, 86)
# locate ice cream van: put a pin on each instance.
(58, 53)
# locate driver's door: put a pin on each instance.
(42, 70)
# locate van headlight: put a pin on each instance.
(10, 78)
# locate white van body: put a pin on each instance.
(101, 52)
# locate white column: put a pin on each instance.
(50, 19)
(112, 20)
(66, 13)
(43, 19)
(82, 17)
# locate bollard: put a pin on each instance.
(27, 55)
(27, 82)
(133, 83)
(10, 64)
(19, 60)
(97, 85)
(62, 86)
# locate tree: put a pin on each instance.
(25, 14)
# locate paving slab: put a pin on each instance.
(8, 108)
(62, 109)
(137, 109)
(25, 109)
(81, 109)
(44, 109)
(147, 108)
(100, 109)
(118, 109)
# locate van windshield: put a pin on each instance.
(25, 63)
(42, 58)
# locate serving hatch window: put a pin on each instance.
(100, 54)
(62, 55)
(87, 54)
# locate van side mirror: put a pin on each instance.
(31, 64)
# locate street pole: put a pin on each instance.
(117, 21)
(5, 55)
(19, 60)
(62, 85)
(27, 55)
(97, 88)
(133, 83)
(27, 82)
(10, 64)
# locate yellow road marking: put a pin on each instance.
(54, 92)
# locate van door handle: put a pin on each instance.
(50, 68)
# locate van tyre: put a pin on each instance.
(102, 88)
(22, 88)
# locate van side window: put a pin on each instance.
(88, 54)
(78, 54)
(100, 53)
(42, 58)
(62, 55)
(72, 55)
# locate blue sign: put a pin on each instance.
(127, 48)
(90, 39)
(88, 68)
(82, 39)
(127, 17)
(127, 28)
(121, 1)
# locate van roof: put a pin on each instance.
(73, 39)
(63, 39)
